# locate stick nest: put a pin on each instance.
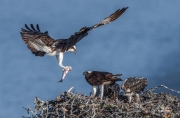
(74, 105)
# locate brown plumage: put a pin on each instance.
(34, 35)
(133, 87)
(40, 39)
(40, 43)
(112, 17)
(97, 78)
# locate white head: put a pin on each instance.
(87, 72)
(72, 49)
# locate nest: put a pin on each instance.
(74, 105)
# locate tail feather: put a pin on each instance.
(119, 79)
(117, 75)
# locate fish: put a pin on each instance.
(64, 73)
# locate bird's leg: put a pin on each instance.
(137, 98)
(102, 91)
(60, 59)
(129, 97)
(116, 99)
(98, 91)
(65, 69)
(116, 92)
(94, 91)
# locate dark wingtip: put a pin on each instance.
(117, 75)
(27, 27)
(32, 26)
(124, 8)
(37, 26)
(120, 79)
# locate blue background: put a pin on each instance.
(143, 42)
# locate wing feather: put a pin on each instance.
(83, 32)
(33, 27)
(105, 76)
(111, 18)
(32, 34)
(39, 43)
(37, 26)
(27, 27)
(66, 44)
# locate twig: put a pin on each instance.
(70, 89)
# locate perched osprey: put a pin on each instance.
(133, 86)
(96, 78)
(40, 43)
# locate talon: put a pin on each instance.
(64, 72)
(68, 68)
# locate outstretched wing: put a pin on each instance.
(39, 43)
(106, 76)
(65, 45)
(111, 18)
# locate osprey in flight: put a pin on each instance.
(133, 86)
(97, 78)
(40, 43)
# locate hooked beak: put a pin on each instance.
(84, 73)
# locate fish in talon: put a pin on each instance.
(65, 71)
(40, 43)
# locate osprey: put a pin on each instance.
(97, 78)
(133, 86)
(40, 43)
